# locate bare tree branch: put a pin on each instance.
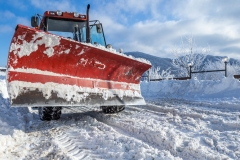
(189, 52)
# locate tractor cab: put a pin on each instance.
(71, 25)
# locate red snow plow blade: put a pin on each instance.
(49, 70)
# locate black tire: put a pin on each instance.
(112, 109)
(57, 111)
(49, 113)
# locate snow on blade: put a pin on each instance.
(67, 51)
(82, 51)
(26, 48)
(100, 65)
(115, 52)
(72, 92)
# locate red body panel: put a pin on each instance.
(111, 67)
(71, 62)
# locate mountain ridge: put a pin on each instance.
(165, 63)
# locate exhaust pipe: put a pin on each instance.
(88, 39)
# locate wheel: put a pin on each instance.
(57, 111)
(45, 113)
(49, 113)
(112, 109)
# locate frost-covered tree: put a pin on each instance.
(156, 73)
(188, 53)
(232, 69)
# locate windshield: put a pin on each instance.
(97, 36)
(76, 30)
(70, 29)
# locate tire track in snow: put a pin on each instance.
(92, 139)
(31, 138)
(219, 130)
(165, 132)
(162, 140)
(41, 138)
(226, 119)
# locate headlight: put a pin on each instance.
(82, 16)
(75, 14)
(59, 13)
(51, 13)
(109, 46)
(120, 50)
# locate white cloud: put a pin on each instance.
(23, 21)
(10, 20)
(136, 6)
(213, 23)
(7, 16)
(156, 26)
(63, 5)
(22, 5)
(215, 9)
(5, 28)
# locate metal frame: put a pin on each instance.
(191, 72)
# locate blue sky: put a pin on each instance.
(155, 27)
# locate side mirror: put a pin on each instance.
(34, 21)
(99, 28)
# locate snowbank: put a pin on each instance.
(2, 75)
(194, 89)
(3, 88)
(12, 128)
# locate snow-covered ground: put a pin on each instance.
(190, 119)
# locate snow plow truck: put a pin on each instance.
(63, 61)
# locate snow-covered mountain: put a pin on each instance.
(165, 63)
